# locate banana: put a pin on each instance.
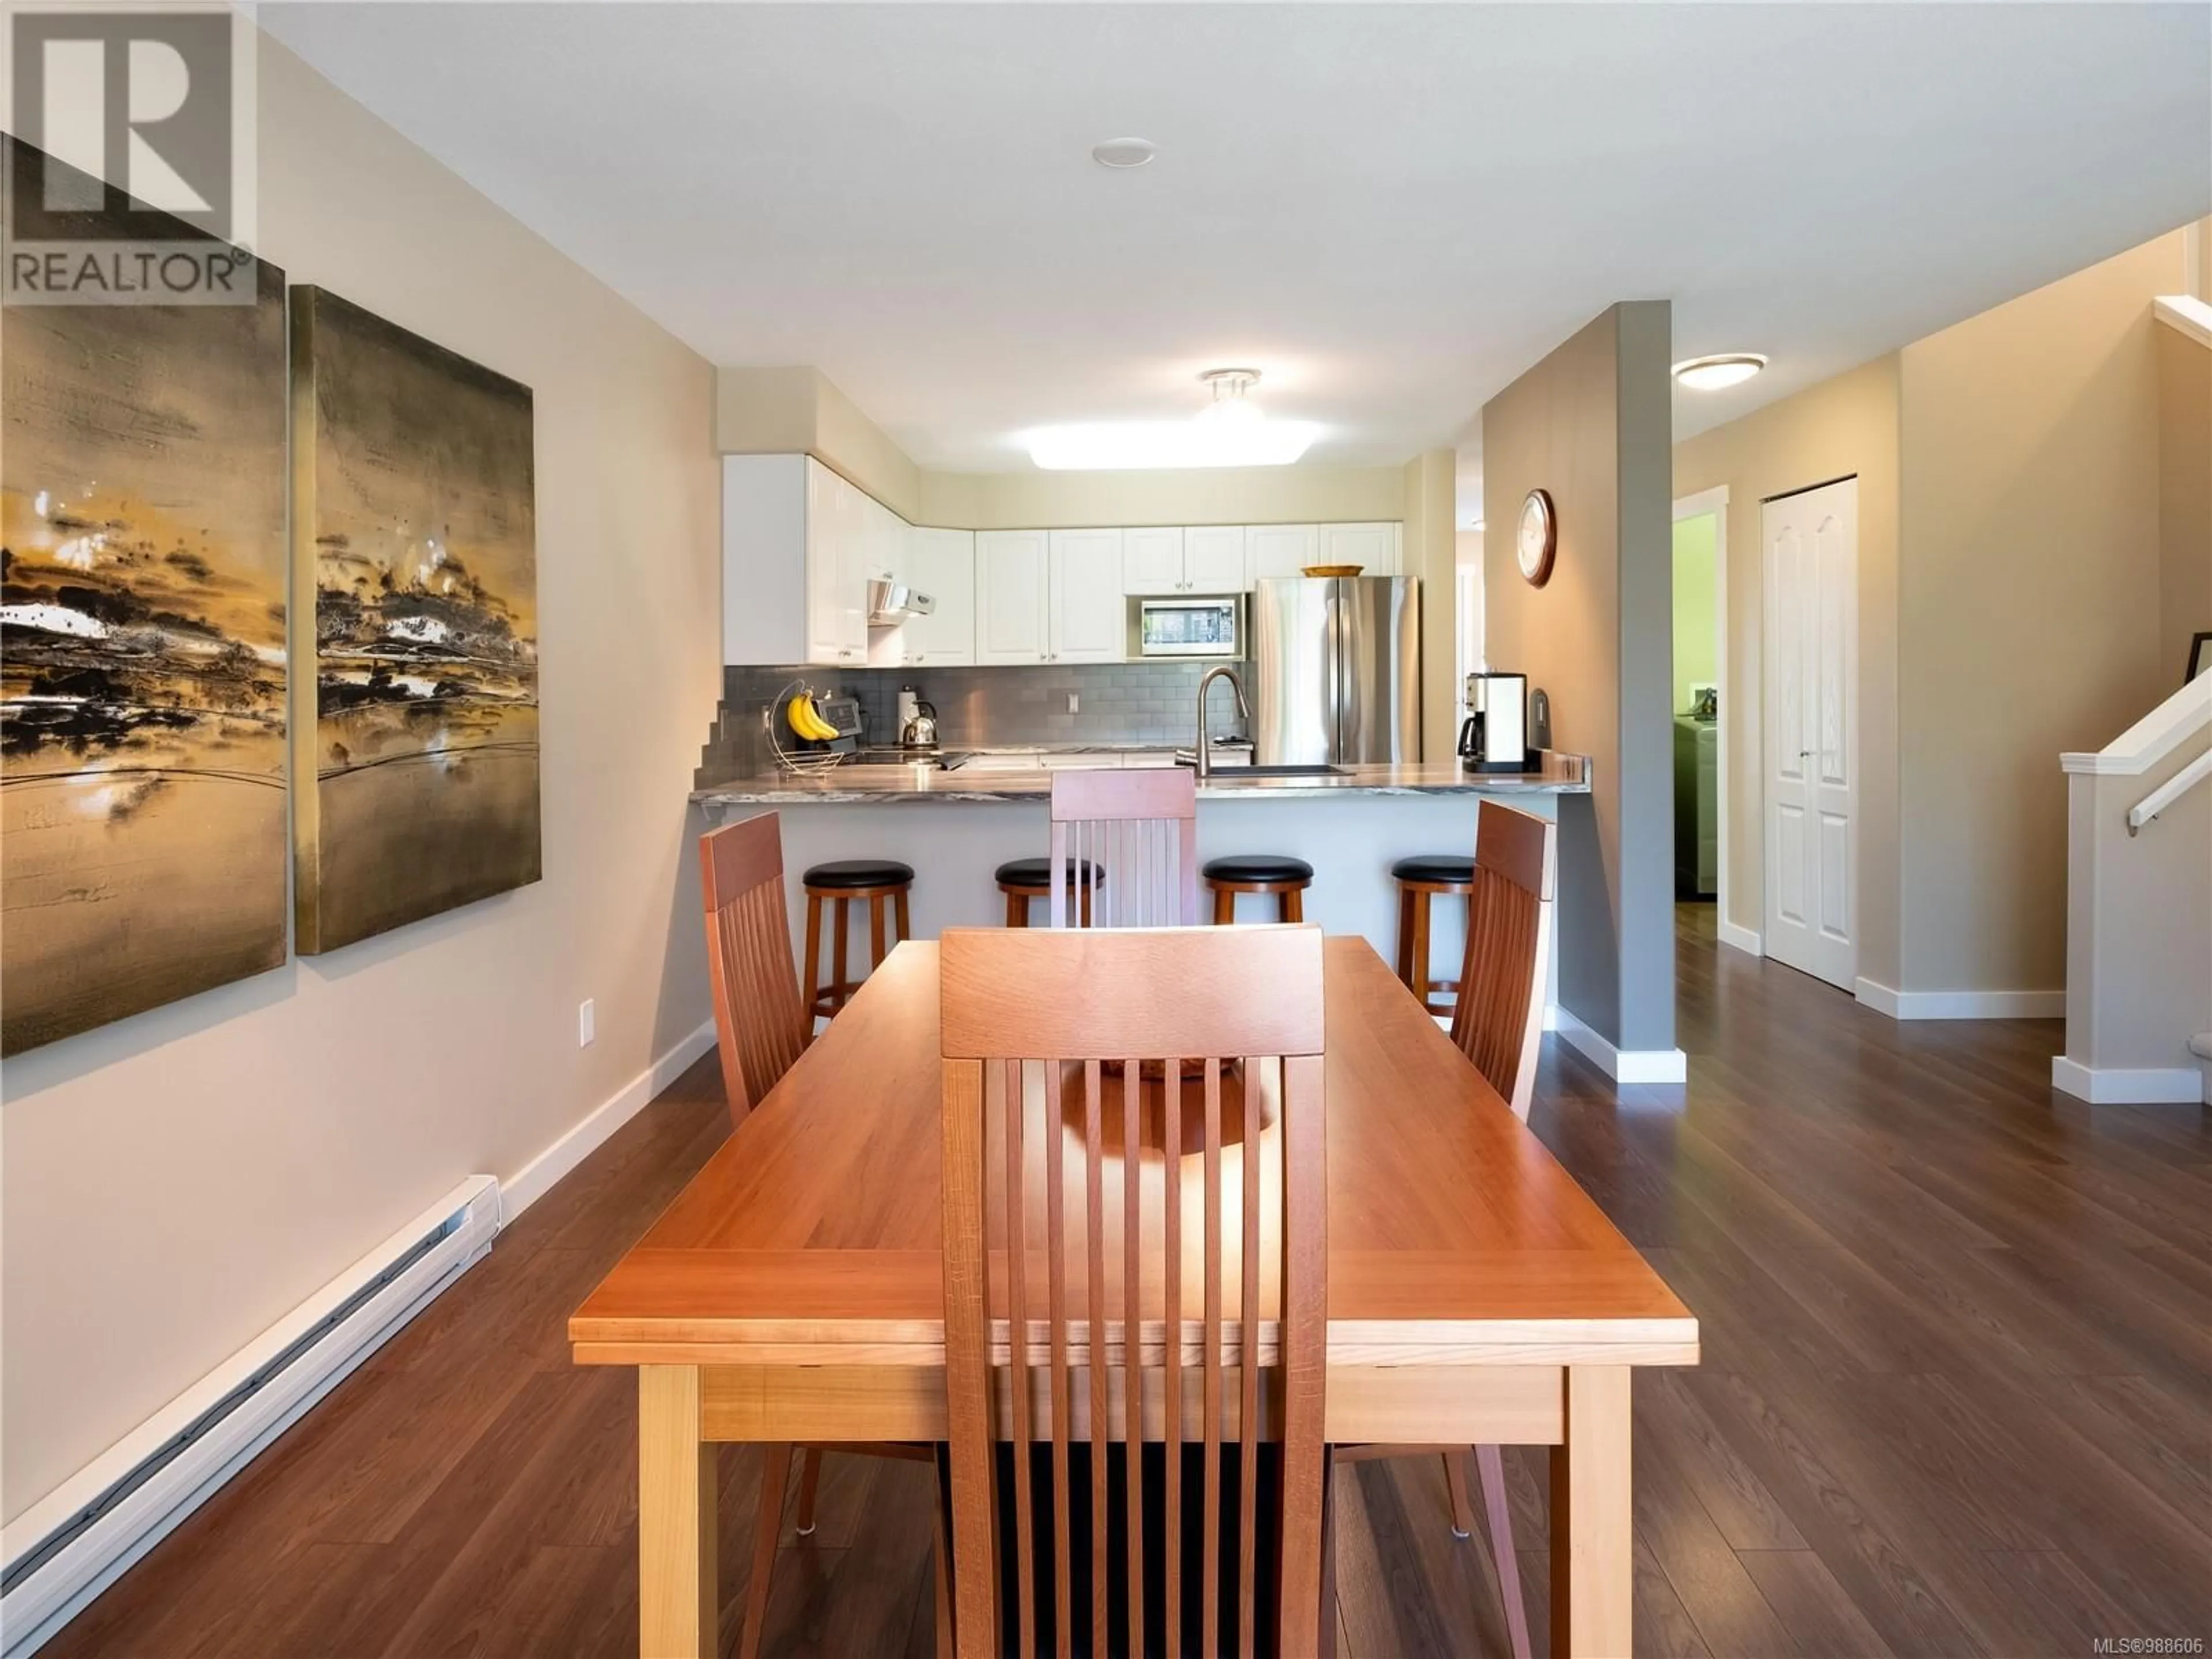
(800, 713)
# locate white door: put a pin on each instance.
(1010, 596)
(942, 564)
(1373, 547)
(1280, 549)
(1151, 562)
(1811, 542)
(1213, 559)
(1089, 623)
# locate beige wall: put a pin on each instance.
(1841, 428)
(2028, 604)
(2185, 496)
(799, 411)
(1590, 424)
(176, 1182)
(1431, 553)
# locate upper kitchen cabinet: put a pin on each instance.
(942, 564)
(1201, 559)
(1152, 561)
(1213, 559)
(1011, 586)
(794, 563)
(1373, 547)
(1088, 622)
(1280, 549)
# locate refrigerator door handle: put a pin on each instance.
(1332, 634)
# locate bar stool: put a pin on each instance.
(1420, 879)
(842, 882)
(1024, 879)
(1287, 878)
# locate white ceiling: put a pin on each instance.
(1392, 210)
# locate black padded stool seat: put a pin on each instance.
(1439, 867)
(1037, 873)
(1257, 868)
(859, 872)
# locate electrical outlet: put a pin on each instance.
(586, 1024)
(1073, 701)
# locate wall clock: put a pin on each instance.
(1538, 537)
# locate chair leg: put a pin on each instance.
(875, 932)
(810, 1478)
(1490, 1466)
(840, 990)
(1225, 907)
(1463, 1512)
(899, 915)
(767, 1528)
(1294, 904)
(813, 958)
(941, 1577)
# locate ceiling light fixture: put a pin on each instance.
(1726, 368)
(1230, 431)
(1124, 152)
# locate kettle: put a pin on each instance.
(919, 731)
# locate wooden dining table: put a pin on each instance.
(794, 1291)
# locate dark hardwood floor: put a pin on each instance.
(1956, 1396)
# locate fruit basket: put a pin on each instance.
(793, 711)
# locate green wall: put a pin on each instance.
(1697, 616)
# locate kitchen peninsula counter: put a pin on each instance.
(959, 824)
(870, 784)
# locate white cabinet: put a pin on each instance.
(1280, 549)
(1373, 547)
(1199, 559)
(1088, 621)
(1152, 561)
(794, 582)
(942, 564)
(1213, 559)
(837, 568)
(882, 535)
(1010, 596)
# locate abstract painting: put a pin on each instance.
(414, 535)
(141, 656)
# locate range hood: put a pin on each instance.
(891, 603)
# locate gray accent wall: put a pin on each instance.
(1592, 424)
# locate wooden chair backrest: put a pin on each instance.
(1141, 826)
(1499, 1020)
(1118, 1341)
(760, 1024)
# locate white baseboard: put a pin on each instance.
(536, 1178)
(1622, 1065)
(369, 1301)
(1959, 1005)
(1746, 940)
(2114, 1085)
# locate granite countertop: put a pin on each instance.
(852, 783)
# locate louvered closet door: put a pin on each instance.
(1810, 542)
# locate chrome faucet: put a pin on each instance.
(1205, 744)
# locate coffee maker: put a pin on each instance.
(1494, 737)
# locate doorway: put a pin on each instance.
(1699, 698)
(1809, 548)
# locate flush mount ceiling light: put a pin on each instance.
(1124, 152)
(1726, 369)
(1230, 431)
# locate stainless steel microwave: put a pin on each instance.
(1191, 628)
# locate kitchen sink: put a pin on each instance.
(1226, 772)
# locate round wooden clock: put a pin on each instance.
(1538, 537)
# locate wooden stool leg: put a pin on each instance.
(810, 1478)
(1017, 909)
(875, 932)
(899, 915)
(839, 989)
(1406, 936)
(1225, 907)
(1083, 905)
(1489, 1467)
(1421, 949)
(813, 958)
(775, 1475)
(1294, 904)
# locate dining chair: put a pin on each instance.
(1499, 1024)
(760, 1028)
(1078, 1311)
(1140, 827)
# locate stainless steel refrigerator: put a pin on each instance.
(1337, 663)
